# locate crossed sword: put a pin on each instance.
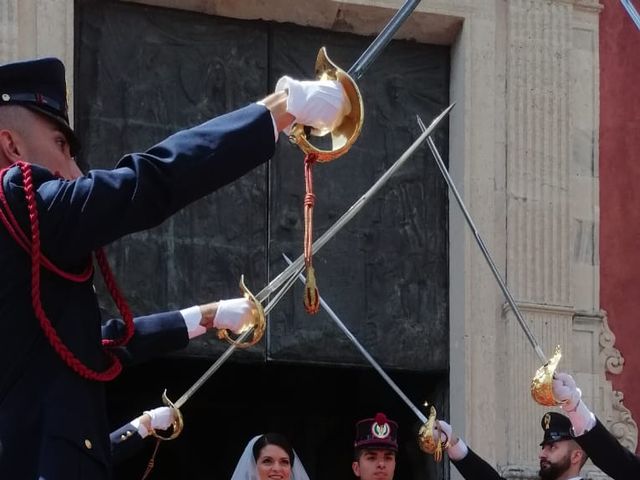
(285, 280)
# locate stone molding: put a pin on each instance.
(622, 425)
(511, 157)
(598, 392)
(610, 356)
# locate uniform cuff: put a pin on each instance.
(192, 317)
(458, 451)
(582, 419)
(273, 122)
(142, 430)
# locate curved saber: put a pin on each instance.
(503, 286)
(421, 416)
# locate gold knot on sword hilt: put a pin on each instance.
(542, 382)
(259, 324)
(345, 134)
(427, 440)
(176, 426)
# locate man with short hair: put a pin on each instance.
(375, 448)
(561, 458)
(54, 352)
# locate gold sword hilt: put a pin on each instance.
(259, 324)
(346, 133)
(178, 423)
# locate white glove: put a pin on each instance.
(444, 430)
(566, 391)
(321, 104)
(457, 450)
(235, 315)
(161, 419)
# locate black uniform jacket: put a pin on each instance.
(53, 422)
(473, 467)
(608, 454)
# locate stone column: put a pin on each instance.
(537, 187)
(38, 28)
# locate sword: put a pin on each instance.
(297, 266)
(421, 416)
(426, 440)
(285, 280)
(384, 37)
(485, 252)
(541, 384)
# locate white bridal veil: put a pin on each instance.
(246, 467)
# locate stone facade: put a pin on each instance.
(524, 154)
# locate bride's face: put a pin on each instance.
(273, 464)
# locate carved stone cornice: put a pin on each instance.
(610, 356)
(622, 425)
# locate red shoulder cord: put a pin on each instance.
(38, 260)
(311, 298)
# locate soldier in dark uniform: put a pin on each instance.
(601, 446)
(55, 355)
(375, 448)
(561, 458)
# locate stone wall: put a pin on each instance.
(523, 152)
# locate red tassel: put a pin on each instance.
(311, 297)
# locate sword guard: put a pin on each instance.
(427, 443)
(542, 382)
(259, 321)
(345, 134)
(178, 423)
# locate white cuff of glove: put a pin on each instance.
(192, 317)
(582, 419)
(458, 451)
(320, 104)
(235, 315)
(142, 430)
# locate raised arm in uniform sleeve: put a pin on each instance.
(608, 454)
(474, 467)
(78, 216)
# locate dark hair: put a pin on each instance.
(273, 439)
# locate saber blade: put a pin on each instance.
(384, 37)
(364, 352)
(297, 266)
(285, 280)
(485, 252)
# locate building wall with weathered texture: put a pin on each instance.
(619, 198)
(523, 149)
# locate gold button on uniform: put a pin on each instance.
(88, 444)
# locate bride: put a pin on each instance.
(269, 456)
